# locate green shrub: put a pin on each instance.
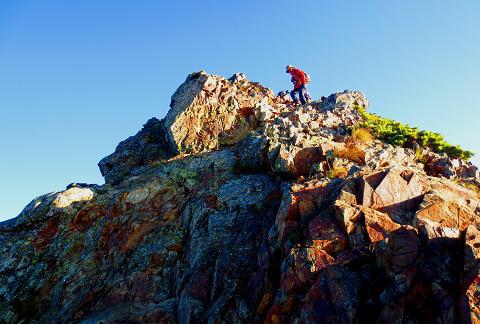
(399, 134)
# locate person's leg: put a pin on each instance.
(308, 98)
(301, 94)
(293, 94)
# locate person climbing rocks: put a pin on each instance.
(299, 80)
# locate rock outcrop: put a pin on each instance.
(239, 208)
(147, 146)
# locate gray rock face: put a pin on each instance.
(252, 153)
(342, 100)
(148, 145)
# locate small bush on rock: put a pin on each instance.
(351, 153)
(337, 172)
(362, 135)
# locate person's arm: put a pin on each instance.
(293, 79)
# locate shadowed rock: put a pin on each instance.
(147, 146)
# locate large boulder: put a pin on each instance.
(208, 109)
(446, 210)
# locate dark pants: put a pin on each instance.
(302, 93)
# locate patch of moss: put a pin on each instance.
(337, 172)
(182, 177)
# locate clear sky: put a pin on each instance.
(77, 77)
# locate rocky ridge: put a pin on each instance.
(237, 207)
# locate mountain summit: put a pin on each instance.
(238, 207)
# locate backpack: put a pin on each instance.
(307, 78)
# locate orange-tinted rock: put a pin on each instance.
(301, 266)
(205, 239)
(346, 215)
(47, 233)
(299, 204)
(395, 192)
(305, 158)
(85, 218)
(446, 210)
(348, 194)
(378, 224)
(369, 183)
(350, 220)
(287, 214)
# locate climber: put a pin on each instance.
(299, 80)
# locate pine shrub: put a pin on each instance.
(399, 134)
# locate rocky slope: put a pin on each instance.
(238, 208)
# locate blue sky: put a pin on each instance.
(77, 77)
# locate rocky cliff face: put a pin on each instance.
(239, 208)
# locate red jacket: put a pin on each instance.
(298, 78)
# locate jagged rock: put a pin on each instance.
(223, 213)
(379, 225)
(402, 252)
(205, 106)
(446, 210)
(450, 168)
(36, 211)
(442, 166)
(326, 235)
(395, 191)
(116, 230)
(284, 162)
(398, 190)
(238, 77)
(147, 146)
(344, 100)
(252, 153)
(378, 156)
(264, 113)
